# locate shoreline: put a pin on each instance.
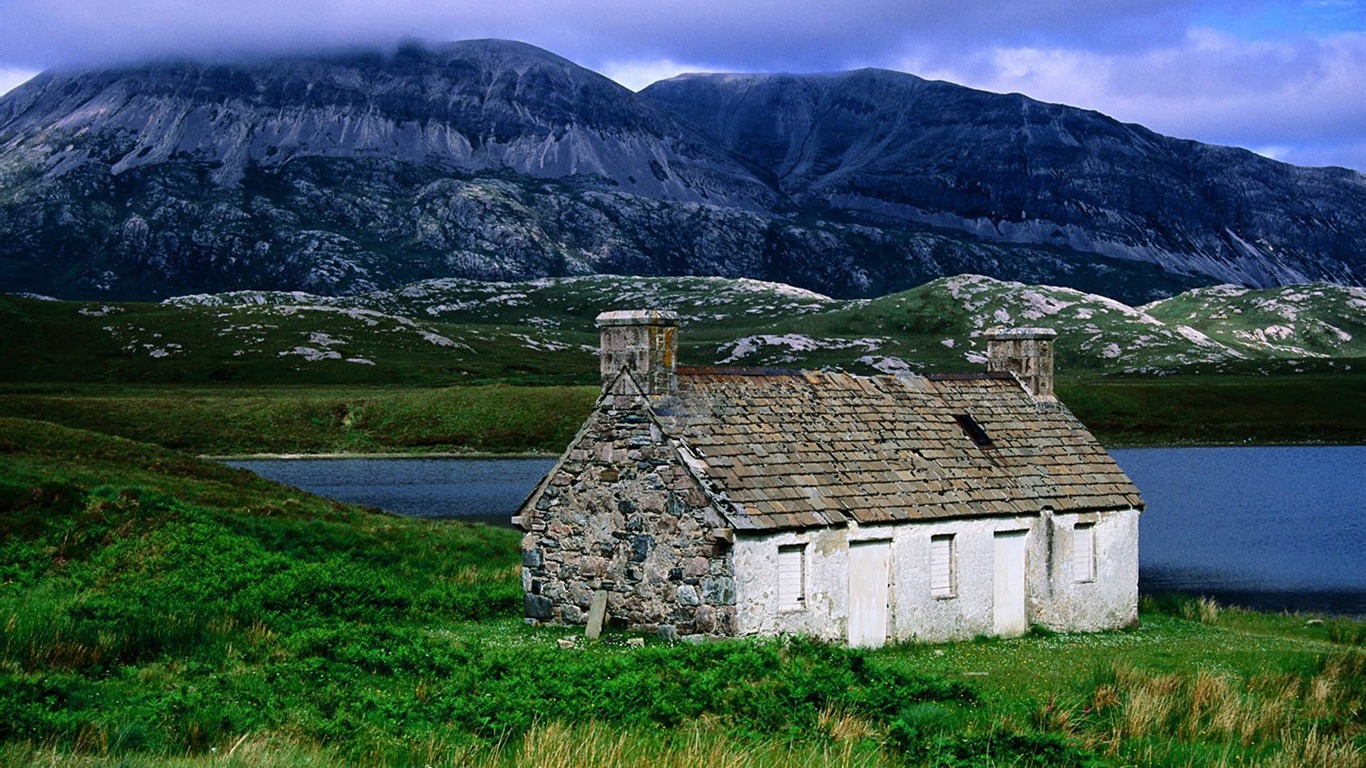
(390, 455)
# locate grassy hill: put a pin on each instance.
(1307, 321)
(447, 332)
(158, 610)
(461, 366)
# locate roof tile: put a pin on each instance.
(796, 448)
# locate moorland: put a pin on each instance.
(160, 609)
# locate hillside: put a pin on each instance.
(1301, 321)
(458, 331)
(492, 160)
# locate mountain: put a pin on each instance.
(887, 145)
(334, 174)
(467, 107)
(457, 331)
(493, 160)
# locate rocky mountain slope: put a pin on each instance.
(492, 160)
(457, 331)
(887, 145)
(478, 106)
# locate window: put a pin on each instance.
(942, 582)
(792, 577)
(974, 430)
(1084, 551)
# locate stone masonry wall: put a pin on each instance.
(621, 514)
(1026, 352)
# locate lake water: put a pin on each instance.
(477, 490)
(1271, 528)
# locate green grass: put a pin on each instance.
(158, 610)
(1189, 410)
(219, 421)
(1221, 410)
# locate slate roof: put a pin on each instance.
(792, 449)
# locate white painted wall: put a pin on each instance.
(1111, 600)
(1052, 598)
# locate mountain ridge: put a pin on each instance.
(375, 101)
(499, 160)
(855, 134)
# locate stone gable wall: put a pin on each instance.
(622, 514)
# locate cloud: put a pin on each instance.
(13, 78)
(640, 73)
(1263, 73)
(752, 34)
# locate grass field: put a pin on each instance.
(320, 419)
(159, 610)
(1221, 410)
(500, 418)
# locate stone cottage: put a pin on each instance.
(731, 501)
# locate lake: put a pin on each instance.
(477, 490)
(1271, 528)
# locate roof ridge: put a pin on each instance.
(974, 376)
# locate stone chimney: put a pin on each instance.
(1027, 353)
(643, 342)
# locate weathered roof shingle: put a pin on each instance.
(788, 449)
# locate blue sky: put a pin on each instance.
(1286, 78)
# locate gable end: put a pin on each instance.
(622, 514)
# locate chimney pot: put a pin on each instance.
(644, 344)
(1027, 353)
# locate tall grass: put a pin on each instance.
(594, 745)
(550, 745)
(149, 624)
(1313, 718)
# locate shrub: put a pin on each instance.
(918, 724)
(999, 747)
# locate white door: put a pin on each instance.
(1008, 584)
(868, 577)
